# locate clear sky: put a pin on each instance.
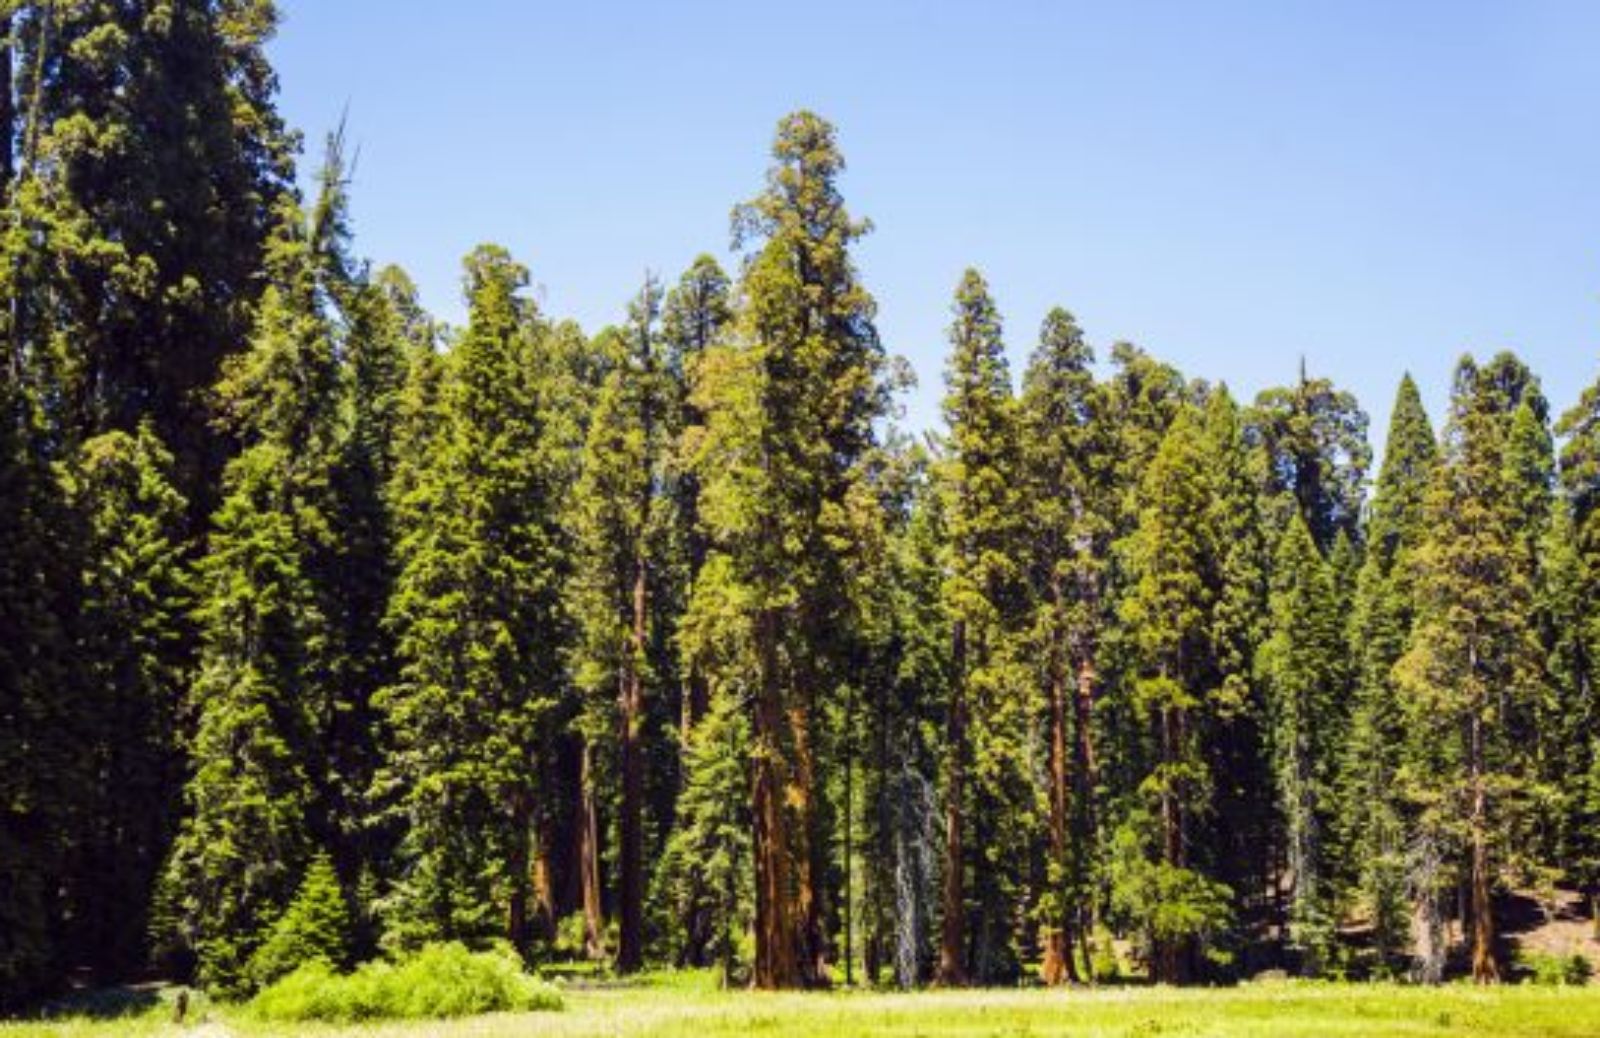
(1376, 186)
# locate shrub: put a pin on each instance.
(316, 928)
(441, 980)
(1554, 970)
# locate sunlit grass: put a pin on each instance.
(691, 1006)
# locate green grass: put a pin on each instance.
(691, 1007)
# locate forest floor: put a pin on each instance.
(689, 1007)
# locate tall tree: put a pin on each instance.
(152, 166)
(1382, 614)
(789, 411)
(1301, 667)
(1472, 659)
(1314, 437)
(134, 639)
(477, 616)
(1156, 884)
(618, 554)
(1066, 465)
(263, 699)
(977, 478)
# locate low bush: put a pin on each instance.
(1554, 970)
(441, 980)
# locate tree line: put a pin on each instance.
(326, 626)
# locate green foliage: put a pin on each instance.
(1302, 668)
(437, 982)
(1164, 904)
(1549, 970)
(479, 627)
(316, 927)
(704, 877)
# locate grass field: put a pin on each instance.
(690, 1008)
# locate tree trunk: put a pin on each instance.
(518, 931)
(594, 922)
(1484, 968)
(630, 949)
(1058, 965)
(776, 965)
(544, 888)
(808, 849)
(952, 969)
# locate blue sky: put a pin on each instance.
(1376, 186)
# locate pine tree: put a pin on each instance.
(1156, 886)
(1066, 468)
(977, 478)
(256, 805)
(1300, 667)
(618, 553)
(1472, 659)
(479, 633)
(789, 412)
(152, 163)
(707, 866)
(133, 640)
(1382, 614)
(316, 927)
(1314, 437)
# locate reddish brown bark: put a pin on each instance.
(776, 964)
(1485, 970)
(1058, 966)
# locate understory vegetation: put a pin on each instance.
(352, 661)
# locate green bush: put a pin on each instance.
(1554, 970)
(441, 980)
(316, 928)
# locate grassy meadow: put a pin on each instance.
(690, 1006)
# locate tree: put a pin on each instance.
(263, 698)
(1574, 588)
(1315, 441)
(1301, 668)
(1471, 661)
(316, 927)
(1168, 611)
(479, 633)
(1382, 615)
(151, 173)
(977, 479)
(618, 552)
(789, 410)
(133, 638)
(1065, 461)
(706, 870)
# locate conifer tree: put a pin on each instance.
(1576, 588)
(133, 640)
(708, 854)
(618, 554)
(479, 633)
(263, 699)
(1156, 884)
(1314, 437)
(1472, 661)
(789, 411)
(152, 163)
(1382, 614)
(977, 478)
(1066, 463)
(1300, 667)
